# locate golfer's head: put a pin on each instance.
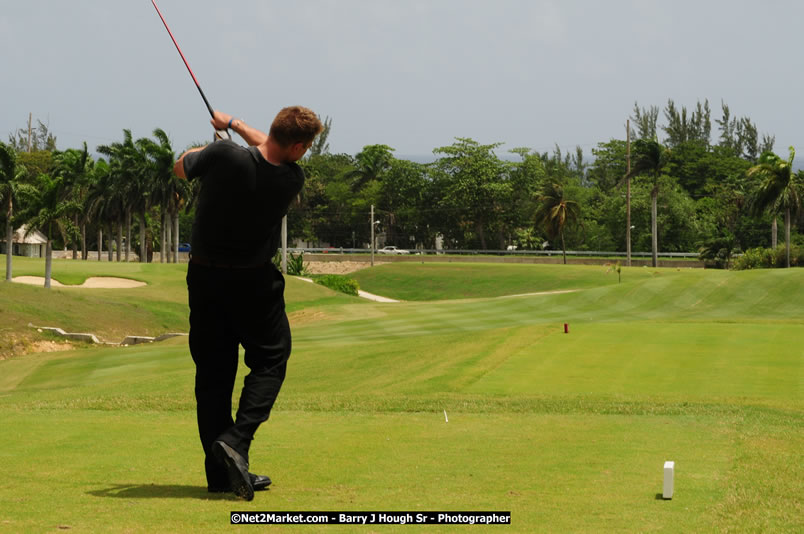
(293, 126)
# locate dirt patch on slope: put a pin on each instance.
(338, 267)
(14, 345)
(49, 346)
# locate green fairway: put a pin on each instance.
(567, 431)
(139, 473)
(438, 281)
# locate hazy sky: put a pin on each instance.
(407, 73)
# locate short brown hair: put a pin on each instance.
(295, 124)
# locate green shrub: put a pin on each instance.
(338, 282)
(718, 252)
(766, 258)
(296, 266)
(796, 256)
(754, 258)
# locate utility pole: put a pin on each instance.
(628, 193)
(29, 131)
(285, 244)
(372, 235)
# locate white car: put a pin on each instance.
(392, 250)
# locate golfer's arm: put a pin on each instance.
(178, 167)
(250, 135)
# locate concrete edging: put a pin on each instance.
(92, 338)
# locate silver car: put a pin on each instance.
(392, 250)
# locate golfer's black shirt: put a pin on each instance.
(241, 203)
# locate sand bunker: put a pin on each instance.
(96, 282)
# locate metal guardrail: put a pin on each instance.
(459, 252)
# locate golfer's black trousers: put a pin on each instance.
(228, 308)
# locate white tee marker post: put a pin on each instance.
(669, 470)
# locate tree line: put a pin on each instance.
(687, 193)
(74, 199)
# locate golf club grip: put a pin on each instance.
(219, 134)
(209, 107)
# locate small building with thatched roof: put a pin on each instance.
(31, 245)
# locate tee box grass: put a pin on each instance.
(567, 431)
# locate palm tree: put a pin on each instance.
(10, 174)
(372, 162)
(47, 204)
(778, 190)
(105, 204)
(555, 212)
(178, 194)
(160, 158)
(127, 165)
(95, 200)
(75, 166)
(650, 158)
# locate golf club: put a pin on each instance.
(220, 134)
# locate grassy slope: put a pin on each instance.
(111, 313)
(438, 281)
(155, 309)
(567, 431)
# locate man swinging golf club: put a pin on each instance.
(236, 294)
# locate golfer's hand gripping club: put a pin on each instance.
(220, 121)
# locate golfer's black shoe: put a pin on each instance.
(236, 468)
(258, 482)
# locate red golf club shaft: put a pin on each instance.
(211, 112)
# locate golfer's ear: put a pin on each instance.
(178, 167)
